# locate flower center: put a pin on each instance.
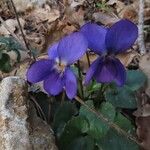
(60, 65)
(108, 54)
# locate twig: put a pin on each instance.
(107, 121)
(20, 27)
(141, 44)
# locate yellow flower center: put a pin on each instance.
(61, 65)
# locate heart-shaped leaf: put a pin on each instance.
(98, 128)
(121, 97)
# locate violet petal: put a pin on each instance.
(121, 73)
(92, 70)
(39, 70)
(70, 83)
(72, 47)
(110, 70)
(52, 51)
(106, 71)
(121, 36)
(54, 83)
(95, 35)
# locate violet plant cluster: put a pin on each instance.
(56, 73)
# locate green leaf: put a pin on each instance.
(9, 43)
(18, 55)
(94, 86)
(98, 128)
(73, 129)
(135, 79)
(115, 141)
(124, 123)
(5, 63)
(121, 97)
(82, 143)
(62, 116)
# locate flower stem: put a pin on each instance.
(100, 96)
(108, 122)
(63, 97)
(88, 59)
(80, 79)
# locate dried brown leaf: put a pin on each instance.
(126, 58)
(75, 16)
(75, 3)
(145, 67)
(12, 25)
(143, 131)
(105, 18)
(23, 5)
(130, 13)
(84, 62)
(112, 2)
(45, 14)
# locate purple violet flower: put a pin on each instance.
(55, 71)
(107, 42)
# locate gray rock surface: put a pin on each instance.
(20, 127)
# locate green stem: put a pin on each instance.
(100, 97)
(63, 98)
(80, 79)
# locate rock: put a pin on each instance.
(14, 132)
(42, 135)
(20, 127)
